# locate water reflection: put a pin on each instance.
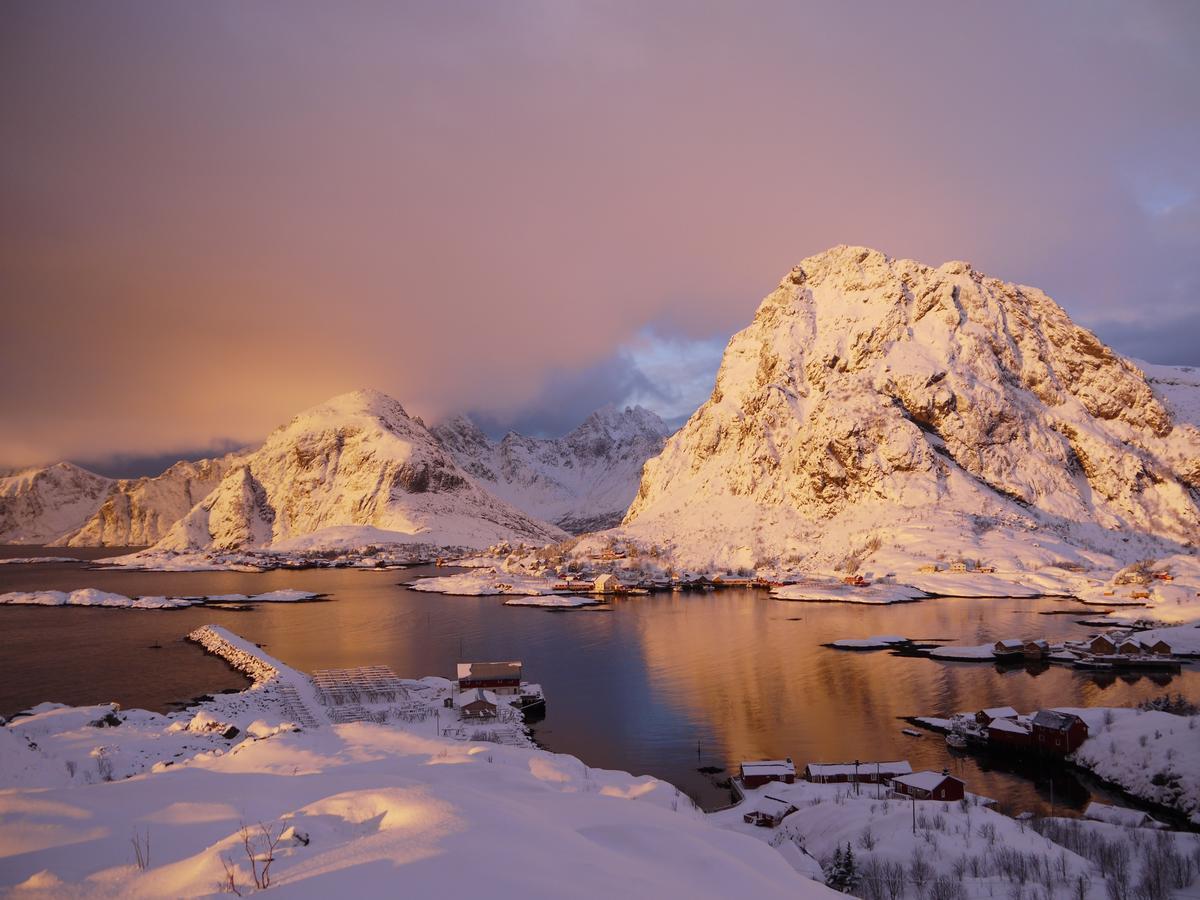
(664, 684)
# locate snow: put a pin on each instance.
(877, 642)
(1117, 815)
(94, 597)
(767, 767)
(979, 651)
(922, 781)
(568, 601)
(1179, 388)
(483, 582)
(366, 809)
(1152, 755)
(875, 594)
(968, 845)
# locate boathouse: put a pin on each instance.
(1158, 648)
(476, 704)
(930, 786)
(607, 583)
(1009, 647)
(1009, 733)
(1036, 649)
(756, 773)
(1059, 733)
(989, 715)
(861, 772)
(1103, 645)
(1129, 647)
(769, 812)
(498, 677)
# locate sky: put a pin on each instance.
(213, 215)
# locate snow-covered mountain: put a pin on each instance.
(583, 481)
(352, 471)
(41, 504)
(139, 511)
(880, 403)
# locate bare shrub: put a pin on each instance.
(229, 885)
(141, 849)
(919, 870)
(260, 850)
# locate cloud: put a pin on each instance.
(214, 215)
(669, 374)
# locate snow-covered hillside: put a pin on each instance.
(583, 481)
(354, 470)
(872, 395)
(1178, 387)
(39, 505)
(139, 511)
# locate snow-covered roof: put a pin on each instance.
(1008, 725)
(1000, 712)
(489, 670)
(1011, 643)
(465, 697)
(773, 806)
(898, 767)
(1049, 718)
(769, 767)
(925, 781)
(1117, 815)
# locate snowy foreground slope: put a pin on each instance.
(353, 471)
(871, 397)
(359, 810)
(583, 481)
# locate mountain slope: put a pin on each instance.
(354, 470)
(139, 511)
(39, 505)
(870, 391)
(583, 481)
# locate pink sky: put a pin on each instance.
(213, 215)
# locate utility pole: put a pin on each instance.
(914, 800)
(856, 778)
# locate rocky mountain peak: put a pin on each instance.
(864, 379)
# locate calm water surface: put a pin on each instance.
(661, 684)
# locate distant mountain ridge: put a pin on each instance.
(583, 481)
(870, 392)
(352, 471)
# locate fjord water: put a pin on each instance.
(662, 684)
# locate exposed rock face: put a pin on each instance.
(583, 481)
(139, 511)
(868, 387)
(357, 461)
(39, 505)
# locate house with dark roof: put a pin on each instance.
(941, 786)
(1058, 733)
